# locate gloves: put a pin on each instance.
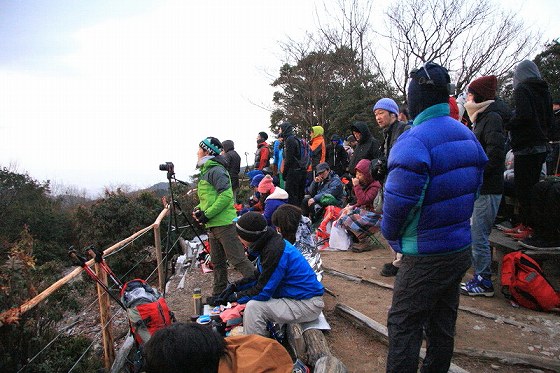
(201, 217)
(232, 297)
(229, 290)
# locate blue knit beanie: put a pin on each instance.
(387, 104)
(428, 86)
(256, 180)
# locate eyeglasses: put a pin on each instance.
(422, 80)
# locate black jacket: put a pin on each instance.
(233, 161)
(367, 148)
(337, 158)
(532, 120)
(488, 129)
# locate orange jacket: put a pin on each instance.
(254, 353)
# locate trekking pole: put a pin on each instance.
(97, 255)
(81, 261)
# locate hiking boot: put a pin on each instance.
(389, 270)
(478, 286)
(518, 228)
(361, 246)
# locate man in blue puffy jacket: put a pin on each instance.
(286, 289)
(435, 173)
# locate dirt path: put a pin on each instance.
(515, 330)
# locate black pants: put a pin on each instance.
(527, 172)
(426, 295)
(294, 183)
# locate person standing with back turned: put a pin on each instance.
(426, 217)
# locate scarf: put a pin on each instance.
(473, 109)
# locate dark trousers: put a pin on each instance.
(294, 183)
(527, 170)
(225, 246)
(425, 295)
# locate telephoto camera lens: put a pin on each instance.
(167, 166)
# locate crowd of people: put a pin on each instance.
(432, 185)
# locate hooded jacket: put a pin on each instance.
(282, 272)
(366, 193)
(532, 121)
(233, 161)
(367, 148)
(215, 193)
(318, 146)
(337, 157)
(435, 173)
(272, 202)
(291, 153)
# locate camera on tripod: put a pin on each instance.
(167, 166)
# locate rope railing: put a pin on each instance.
(12, 316)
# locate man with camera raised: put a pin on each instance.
(386, 113)
(216, 212)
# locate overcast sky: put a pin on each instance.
(99, 93)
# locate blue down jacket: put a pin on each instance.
(435, 173)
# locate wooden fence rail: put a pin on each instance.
(13, 315)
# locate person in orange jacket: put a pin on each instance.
(194, 348)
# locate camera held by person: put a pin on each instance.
(379, 169)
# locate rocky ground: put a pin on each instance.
(507, 336)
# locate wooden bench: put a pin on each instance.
(503, 244)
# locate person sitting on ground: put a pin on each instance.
(286, 289)
(271, 197)
(326, 189)
(359, 219)
(194, 348)
(255, 203)
(298, 230)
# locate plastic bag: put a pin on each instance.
(339, 239)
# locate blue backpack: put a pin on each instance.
(304, 153)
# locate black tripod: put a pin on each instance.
(175, 209)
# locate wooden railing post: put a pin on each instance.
(105, 320)
(159, 258)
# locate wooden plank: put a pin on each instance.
(380, 330)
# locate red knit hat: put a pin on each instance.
(266, 185)
(485, 87)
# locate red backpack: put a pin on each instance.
(524, 283)
(147, 310)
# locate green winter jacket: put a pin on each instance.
(215, 193)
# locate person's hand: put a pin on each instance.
(355, 181)
(230, 289)
(310, 202)
(200, 217)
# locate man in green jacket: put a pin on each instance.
(216, 212)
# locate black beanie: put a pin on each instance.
(251, 225)
(263, 135)
(429, 86)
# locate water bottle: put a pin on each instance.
(197, 300)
